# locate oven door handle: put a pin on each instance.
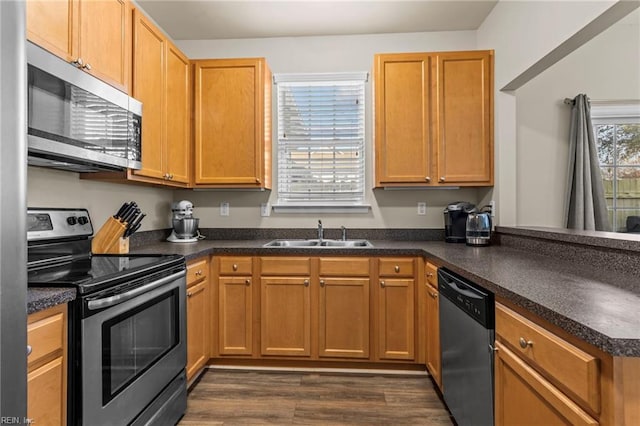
(120, 298)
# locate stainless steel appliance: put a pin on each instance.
(455, 221)
(467, 336)
(479, 227)
(185, 226)
(77, 122)
(127, 328)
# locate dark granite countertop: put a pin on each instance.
(39, 299)
(593, 304)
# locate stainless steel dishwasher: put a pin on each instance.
(467, 335)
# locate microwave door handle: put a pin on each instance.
(107, 302)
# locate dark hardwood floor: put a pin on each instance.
(236, 397)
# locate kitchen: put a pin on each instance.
(390, 209)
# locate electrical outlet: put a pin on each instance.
(265, 209)
(492, 203)
(422, 209)
(224, 208)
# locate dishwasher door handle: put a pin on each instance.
(458, 289)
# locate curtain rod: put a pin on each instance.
(570, 101)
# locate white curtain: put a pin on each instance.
(586, 205)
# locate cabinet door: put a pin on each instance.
(197, 327)
(235, 316)
(47, 394)
(464, 119)
(178, 115)
(395, 332)
(433, 355)
(285, 316)
(53, 26)
(228, 122)
(344, 317)
(148, 87)
(402, 130)
(524, 397)
(105, 40)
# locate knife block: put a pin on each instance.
(109, 239)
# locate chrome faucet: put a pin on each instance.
(344, 233)
(320, 231)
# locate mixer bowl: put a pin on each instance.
(186, 227)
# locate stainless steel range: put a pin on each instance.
(127, 328)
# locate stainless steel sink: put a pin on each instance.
(319, 243)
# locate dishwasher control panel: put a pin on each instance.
(477, 302)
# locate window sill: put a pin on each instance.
(324, 208)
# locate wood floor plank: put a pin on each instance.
(231, 397)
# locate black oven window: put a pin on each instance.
(135, 340)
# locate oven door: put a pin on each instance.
(132, 348)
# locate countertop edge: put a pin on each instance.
(41, 298)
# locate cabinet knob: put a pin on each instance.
(441, 178)
(29, 350)
(87, 67)
(427, 179)
(433, 295)
(189, 294)
(382, 284)
(429, 274)
(170, 175)
(165, 176)
(525, 343)
(247, 282)
(79, 63)
(306, 283)
(397, 268)
(235, 267)
(199, 272)
(321, 283)
(258, 180)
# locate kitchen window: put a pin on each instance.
(321, 164)
(617, 131)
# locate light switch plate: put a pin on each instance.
(224, 208)
(422, 209)
(265, 209)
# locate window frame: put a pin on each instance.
(321, 204)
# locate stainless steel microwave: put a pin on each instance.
(77, 122)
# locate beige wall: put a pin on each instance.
(54, 188)
(606, 68)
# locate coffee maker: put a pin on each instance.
(185, 226)
(455, 221)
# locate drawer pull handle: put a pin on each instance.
(382, 284)
(306, 283)
(235, 267)
(248, 282)
(397, 268)
(433, 295)
(321, 283)
(525, 343)
(29, 350)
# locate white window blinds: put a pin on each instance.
(321, 139)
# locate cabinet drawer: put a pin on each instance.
(431, 273)
(235, 265)
(285, 266)
(398, 267)
(197, 270)
(46, 334)
(567, 366)
(340, 266)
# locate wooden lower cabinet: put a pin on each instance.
(198, 316)
(285, 316)
(47, 366)
(432, 324)
(524, 397)
(235, 316)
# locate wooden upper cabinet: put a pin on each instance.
(94, 34)
(434, 119)
(53, 25)
(178, 115)
(232, 123)
(148, 87)
(105, 40)
(465, 117)
(402, 132)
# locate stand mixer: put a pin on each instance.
(185, 226)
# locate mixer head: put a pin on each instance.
(182, 209)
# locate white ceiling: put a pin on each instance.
(215, 19)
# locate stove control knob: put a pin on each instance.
(82, 220)
(72, 220)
